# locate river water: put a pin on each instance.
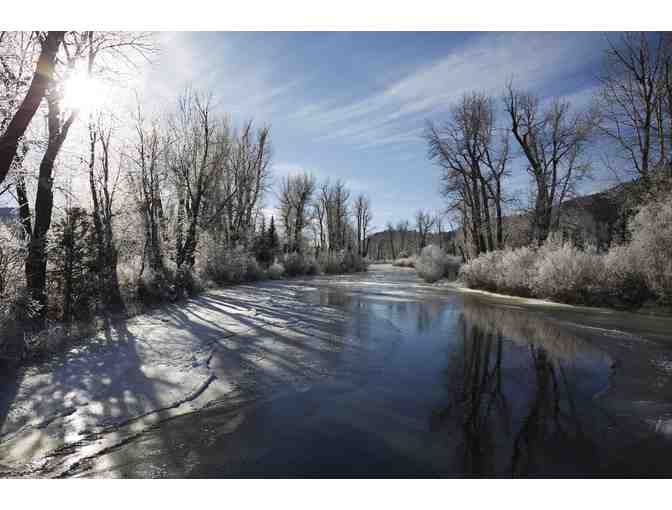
(439, 383)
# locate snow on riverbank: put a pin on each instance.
(235, 341)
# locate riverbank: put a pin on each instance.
(651, 311)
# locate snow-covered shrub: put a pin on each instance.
(516, 271)
(253, 271)
(187, 282)
(452, 266)
(128, 272)
(341, 262)
(483, 271)
(652, 246)
(431, 265)
(405, 262)
(157, 286)
(228, 266)
(623, 278)
(276, 271)
(350, 262)
(15, 309)
(295, 264)
(568, 274)
(46, 342)
(12, 261)
(330, 263)
(311, 266)
(355, 263)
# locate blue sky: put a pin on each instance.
(353, 105)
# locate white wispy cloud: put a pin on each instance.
(396, 112)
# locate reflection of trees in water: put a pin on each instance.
(505, 426)
(525, 327)
(428, 314)
(548, 421)
(477, 399)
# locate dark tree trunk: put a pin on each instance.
(36, 262)
(9, 141)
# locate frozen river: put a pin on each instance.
(371, 375)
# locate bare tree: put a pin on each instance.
(245, 178)
(103, 185)
(474, 163)
(403, 227)
(553, 141)
(198, 148)
(333, 200)
(390, 237)
(147, 178)
(319, 217)
(438, 225)
(296, 194)
(363, 217)
(634, 101)
(424, 222)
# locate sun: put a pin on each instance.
(84, 93)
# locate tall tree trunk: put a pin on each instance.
(486, 210)
(9, 141)
(36, 262)
(498, 212)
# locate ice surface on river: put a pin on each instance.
(236, 346)
(240, 339)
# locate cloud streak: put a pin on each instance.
(398, 110)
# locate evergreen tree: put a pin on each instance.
(273, 240)
(73, 261)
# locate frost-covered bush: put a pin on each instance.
(452, 267)
(652, 246)
(516, 271)
(157, 286)
(128, 272)
(355, 263)
(187, 282)
(623, 277)
(557, 271)
(16, 310)
(298, 264)
(405, 262)
(434, 264)
(311, 265)
(12, 261)
(568, 274)
(629, 274)
(253, 271)
(295, 264)
(223, 266)
(431, 265)
(483, 271)
(341, 262)
(276, 271)
(330, 263)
